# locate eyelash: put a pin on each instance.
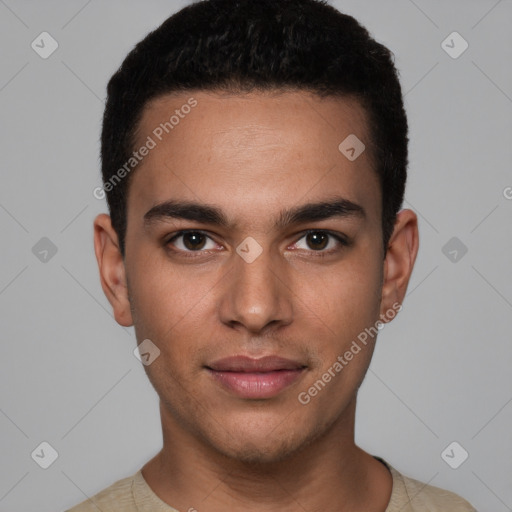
(319, 254)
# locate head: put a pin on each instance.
(230, 121)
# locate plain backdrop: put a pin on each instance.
(441, 370)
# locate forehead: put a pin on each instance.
(252, 151)
(256, 117)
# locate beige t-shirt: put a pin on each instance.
(133, 494)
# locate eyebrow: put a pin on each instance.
(338, 207)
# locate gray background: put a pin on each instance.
(441, 370)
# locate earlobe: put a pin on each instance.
(112, 269)
(399, 261)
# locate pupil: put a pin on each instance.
(314, 238)
(197, 240)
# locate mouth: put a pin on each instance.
(251, 378)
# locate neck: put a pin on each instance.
(331, 473)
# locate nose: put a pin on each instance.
(256, 295)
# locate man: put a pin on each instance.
(254, 158)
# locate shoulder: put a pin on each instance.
(410, 495)
(429, 497)
(118, 496)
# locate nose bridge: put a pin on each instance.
(256, 294)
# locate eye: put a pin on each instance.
(321, 241)
(317, 241)
(191, 241)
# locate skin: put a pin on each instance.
(251, 156)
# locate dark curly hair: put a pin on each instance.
(244, 45)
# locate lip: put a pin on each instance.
(260, 378)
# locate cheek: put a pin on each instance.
(345, 299)
(167, 299)
(345, 307)
(167, 306)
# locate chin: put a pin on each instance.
(268, 452)
(263, 444)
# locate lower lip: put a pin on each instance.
(257, 385)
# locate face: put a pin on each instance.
(253, 263)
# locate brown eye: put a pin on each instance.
(191, 241)
(321, 242)
(194, 241)
(317, 240)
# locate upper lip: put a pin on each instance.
(249, 364)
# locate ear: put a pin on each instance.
(399, 262)
(112, 269)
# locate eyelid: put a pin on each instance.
(335, 234)
(182, 232)
(340, 238)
